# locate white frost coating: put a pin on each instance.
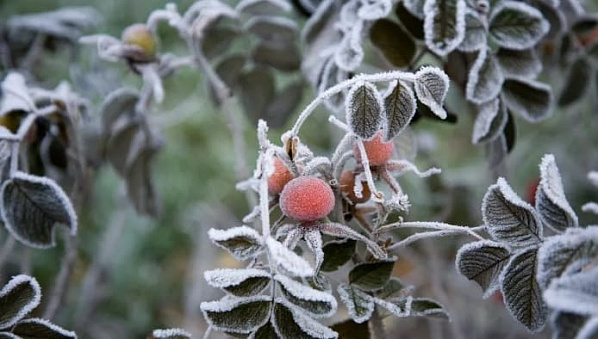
(485, 79)
(170, 332)
(350, 297)
(342, 231)
(226, 305)
(218, 236)
(58, 193)
(349, 53)
(475, 35)
(431, 87)
(395, 309)
(490, 264)
(307, 293)
(15, 94)
(577, 293)
(552, 186)
(315, 19)
(281, 5)
(283, 23)
(33, 303)
(589, 329)
(226, 277)
(288, 259)
(313, 239)
(518, 224)
(431, 11)
(590, 207)
(374, 10)
(558, 253)
(50, 325)
(518, 40)
(404, 166)
(482, 127)
(152, 79)
(362, 113)
(415, 7)
(307, 324)
(593, 178)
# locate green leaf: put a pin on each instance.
(284, 58)
(475, 33)
(523, 63)
(237, 315)
(117, 103)
(444, 25)
(521, 291)
(317, 303)
(351, 329)
(394, 289)
(140, 185)
(273, 30)
(229, 69)
(517, 25)
(485, 79)
(364, 109)
(400, 107)
(291, 324)
(17, 298)
(577, 83)
(216, 40)
(243, 282)
(7, 335)
(490, 121)
(413, 24)
(532, 100)
(371, 276)
(431, 87)
(337, 253)
(396, 45)
(482, 262)
(242, 242)
(359, 304)
(566, 325)
(424, 307)
(31, 208)
(256, 91)
(284, 104)
(266, 332)
(40, 328)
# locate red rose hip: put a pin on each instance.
(347, 182)
(378, 151)
(279, 178)
(306, 199)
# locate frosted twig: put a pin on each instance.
(378, 196)
(432, 225)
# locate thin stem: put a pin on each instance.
(378, 77)
(432, 225)
(365, 162)
(208, 332)
(424, 235)
(61, 284)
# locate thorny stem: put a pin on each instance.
(379, 77)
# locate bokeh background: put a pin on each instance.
(151, 269)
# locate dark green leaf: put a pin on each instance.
(273, 30)
(510, 134)
(522, 294)
(257, 91)
(444, 25)
(485, 79)
(359, 304)
(475, 33)
(239, 282)
(31, 208)
(482, 262)
(119, 102)
(364, 110)
(490, 121)
(284, 104)
(413, 24)
(238, 315)
(566, 325)
(140, 185)
(336, 254)
(291, 324)
(242, 242)
(517, 25)
(396, 45)
(350, 329)
(394, 289)
(400, 106)
(425, 307)
(284, 58)
(266, 332)
(217, 40)
(371, 276)
(35, 328)
(577, 82)
(315, 302)
(17, 298)
(530, 99)
(519, 63)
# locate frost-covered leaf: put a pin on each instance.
(577, 83)
(125, 142)
(242, 242)
(292, 323)
(532, 100)
(337, 253)
(284, 58)
(524, 63)
(576, 293)
(521, 291)
(566, 325)
(8, 335)
(485, 78)
(217, 40)
(240, 282)
(41, 328)
(17, 298)
(444, 25)
(425, 307)
(508, 218)
(400, 107)
(263, 7)
(140, 186)
(118, 102)
(288, 259)
(589, 330)
(394, 289)
(570, 251)
(431, 86)
(496, 151)
(551, 203)
(413, 24)
(374, 9)
(475, 33)
(32, 206)
(317, 303)
(348, 55)
(359, 304)
(371, 276)
(5, 155)
(265, 332)
(396, 45)
(237, 315)
(482, 262)
(272, 29)
(517, 25)
(364, 109)
(284, 105)
(171, 333)
(490, 121)
(256, 91)
(341, 231)
(15, 94)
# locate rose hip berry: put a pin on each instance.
(279, 178)
(347, 182)
(307, 199)
(378, 151)
(140, 36)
